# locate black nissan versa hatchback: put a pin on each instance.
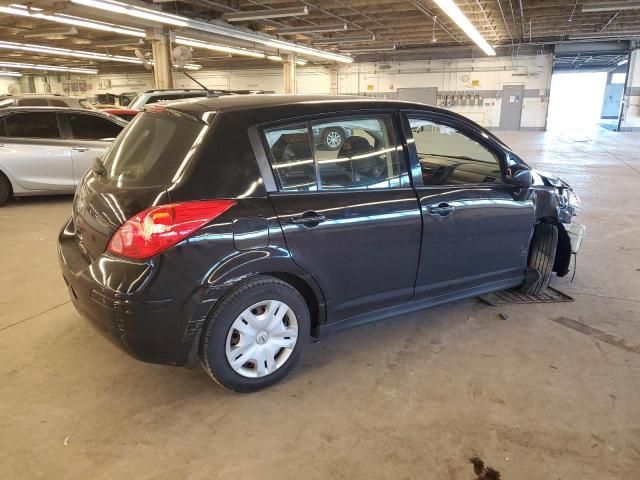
(225, 229)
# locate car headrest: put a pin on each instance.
(354, 145)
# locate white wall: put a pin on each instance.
(485, 76)
(631, 98)
(464, 76)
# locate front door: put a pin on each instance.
(511, 110)
(475, 230)
(34, 153)
(349, 216)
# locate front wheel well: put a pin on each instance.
(6, 188)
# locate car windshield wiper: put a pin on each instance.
(99, 168)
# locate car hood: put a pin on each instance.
(548, 179)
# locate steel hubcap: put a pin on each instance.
(261, 339)
(334, 139)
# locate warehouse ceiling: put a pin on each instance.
(364, 29)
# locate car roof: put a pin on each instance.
(228, 103)
(175, 90)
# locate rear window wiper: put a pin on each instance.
(99, 168)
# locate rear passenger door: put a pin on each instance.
(34, 152)
(349, 216)
(89, 137)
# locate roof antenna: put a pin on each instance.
(210, 93)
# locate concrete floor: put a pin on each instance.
(536, 396)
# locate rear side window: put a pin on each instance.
(292, 157)
(152, 150)
(356, 152)
(92, 127)
(346, 153)
(32, 125)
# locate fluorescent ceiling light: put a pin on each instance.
(113, 6)
(135, 11)
(312, 29)
(218, 48)
(262, 14)
(344, 39)
(622, 62)
(65, 52)
(192, 66)
(451, 9)
(10, 74)
(22, 11)
(52, 68)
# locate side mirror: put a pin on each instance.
(520, 176)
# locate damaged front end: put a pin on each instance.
(557, 203)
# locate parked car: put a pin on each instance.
(216, 229)
(48, 100)
(124, 113)
(164, 95)
(46, 150)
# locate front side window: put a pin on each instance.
(32, 125)
(92, 127)
(450, 157)
(345, 153)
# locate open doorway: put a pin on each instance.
(576, 101)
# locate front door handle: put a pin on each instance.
(442, 209)
(309, 219)
(80, 148)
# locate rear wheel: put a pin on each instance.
(5, 189)
(256, 334)
(542, 255)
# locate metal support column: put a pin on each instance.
(289, 73)
(161, 50)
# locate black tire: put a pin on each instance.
(542, 255)
(5, 190)
(213, 356)
(329, 138)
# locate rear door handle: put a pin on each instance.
(80, 148)
(442, 209)
(309, 219)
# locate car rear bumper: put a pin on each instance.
(116, 296)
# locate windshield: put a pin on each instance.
(135, 101)
(153, 150)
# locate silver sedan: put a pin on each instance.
(45, 150)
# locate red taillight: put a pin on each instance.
(158, 228)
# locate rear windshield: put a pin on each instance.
(152, 150)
